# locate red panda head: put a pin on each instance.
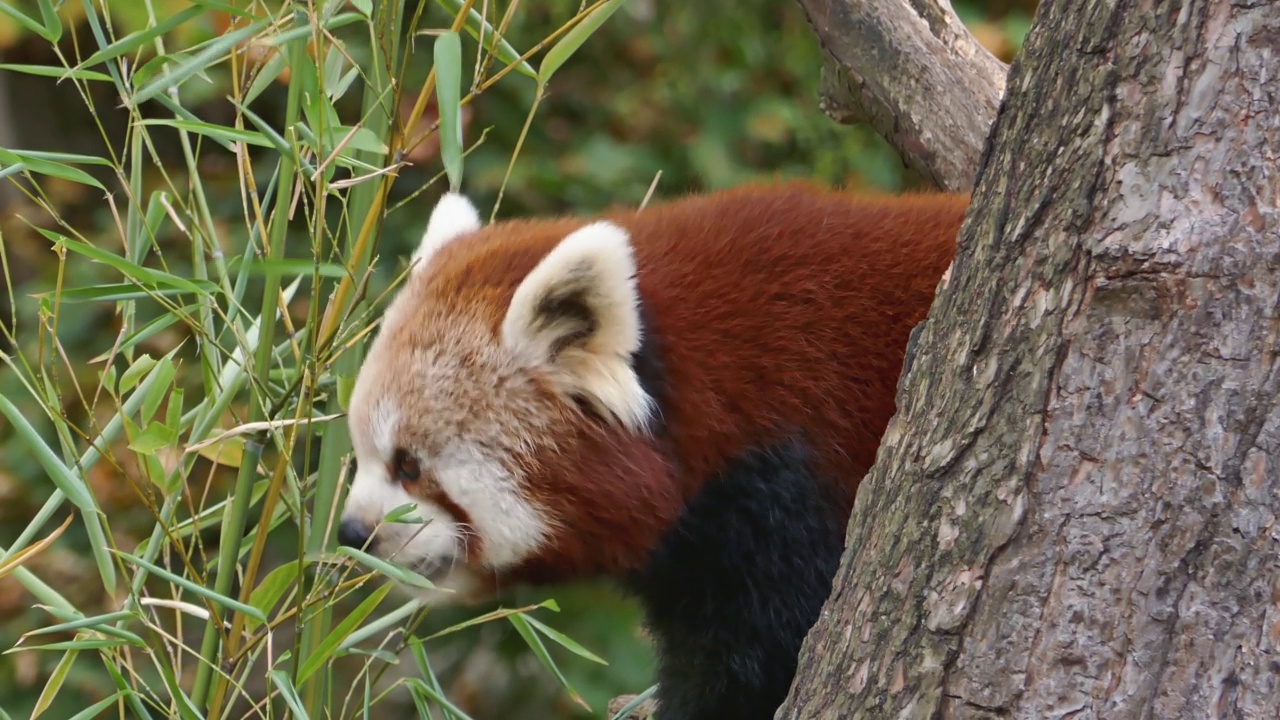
(500, 400)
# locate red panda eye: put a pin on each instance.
(405, 467)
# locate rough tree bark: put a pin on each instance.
(911, 70)
(1074, 513)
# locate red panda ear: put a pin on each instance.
(453, 216)
(576, 315)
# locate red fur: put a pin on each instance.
(776, 308)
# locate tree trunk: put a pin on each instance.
(1074, 513)
(911, 70)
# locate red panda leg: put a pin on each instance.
(734, 586)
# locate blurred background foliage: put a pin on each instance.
(709, 95)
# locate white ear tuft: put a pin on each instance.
(577, 313)
(453, 216)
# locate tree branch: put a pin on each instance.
(912, 71)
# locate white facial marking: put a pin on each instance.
(592, 269)
(374, 495)
(453, 216)
(511, 528)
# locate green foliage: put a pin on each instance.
(238, 312)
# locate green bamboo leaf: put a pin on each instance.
(521, 622)
(54, 71)
(276, 139)
(150, 329)
(568, 643)
(119, 291)
(37, 164)
(304, 31)
(395, 572)
(68, 158)
(281, 680)
(128, 268)
(155, 437)
(320, 658)
(380, 626)
(85, 644)
(417, 685)
(52, 23)
(487, 617)
(270, 590)
(186, 709)
(97, 622)
(63, 478)
(71, 485)
(133, 41)
(194, 588)
(163, 374)
(293, 266)
(361, 139)
(267, 74)
(27, 22)
(448, 59)
(476, 26)
(567, 45)
(94, 710)
(198, 62)
(220, 132)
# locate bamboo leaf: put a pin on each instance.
(476, 26)
(52, 23)
(281, 680)
(395, 572)
(194, 588)
(199, 62)
(94, 710)
(37, 164)
(521, 623)
(220, 132)
(448, 59)
(560, 53)
(133, 41)
(568, 643)
(271, 589)
(325, 650)
(63, 478)
(54, 71)
(25, 21)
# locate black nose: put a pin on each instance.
(352, 534)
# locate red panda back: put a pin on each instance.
(786, 308)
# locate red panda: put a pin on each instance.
(682, 398)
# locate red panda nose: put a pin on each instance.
(352, 534)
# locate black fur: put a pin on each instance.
(646, 361)
(734, 586)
